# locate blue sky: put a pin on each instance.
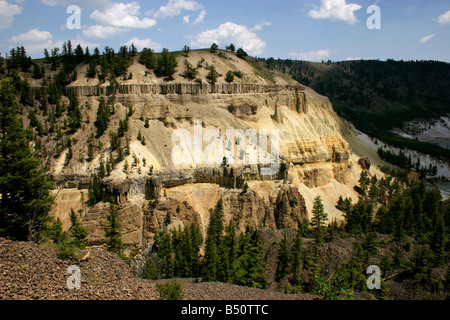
(297, 29)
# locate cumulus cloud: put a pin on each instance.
(230, 32)
(123, 15)
(426, 38)
(100, 32)
(144, 43)
(444, 19)
(336, 10)
(7, 13)
(312, 55)
(175, 7)
(33, 35)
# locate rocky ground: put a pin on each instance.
(29, 271)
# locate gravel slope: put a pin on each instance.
(29, 271)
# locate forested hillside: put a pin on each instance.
(365, 91)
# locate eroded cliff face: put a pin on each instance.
(315, 159)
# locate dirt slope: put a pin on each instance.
(29, 271)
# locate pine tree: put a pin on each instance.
(163, 248)
(77, 231)
(296, 256)
(228, 253)
(249, 267)
(364, 181)
(24, 188)
(213, 243)
(437, 239)
(167, 64)
(214, 47)
(147, 58)
(212, 74)
(113, 232)
(94, 191)
(318, 219)
(241, 53)
(229, 77)
(101, 169)
(195, 241)
(283, 260)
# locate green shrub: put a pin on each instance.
(170, 290)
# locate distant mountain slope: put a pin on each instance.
(377, 95)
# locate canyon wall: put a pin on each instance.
(315, 159)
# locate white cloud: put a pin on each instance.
(312, 55)
(100, 32)
(122, 15)
(426, 38)
(336, 10)
(33, 35)
(144, 43)
(261, 25)
(200, 17)
(7, 13)
(228, 33)
(444, 19)
(174, 7)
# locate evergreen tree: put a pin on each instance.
(296, 256)
(283, 260)
(190, 72)
(148, 58)
(249, 267)
(212, 74)
(213, 243)
(437, 239)
(91, 71)
(229, 77)
(195, 241)
(214, 47)
(103, 114)
(24, 188)
(364, 181)
(373, 189)
(186, 50)
(77, 231)
(113, 232)
(241, 53)
(94, 191)
(228, 252)
(162, 246)
(318, 220)
(167, 64)
(231, 48)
